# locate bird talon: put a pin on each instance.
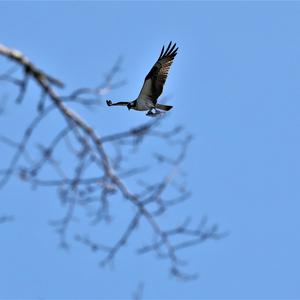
(150, 113)
(157, 113)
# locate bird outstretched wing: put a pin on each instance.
(156, 78)
(109, 103)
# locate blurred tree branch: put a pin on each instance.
(98, 162)
(6, 218)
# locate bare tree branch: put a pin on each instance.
(88, 169)
(138, 294)
(6, 218)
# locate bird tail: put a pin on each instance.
(163, 107)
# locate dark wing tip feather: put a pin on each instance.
(175, 52)
(170, 51)
(162, 51)
(168, 48)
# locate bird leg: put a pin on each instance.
(156, 112)
(150, 112)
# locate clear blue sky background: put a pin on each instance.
(235, 85)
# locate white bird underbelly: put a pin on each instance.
(144, 104)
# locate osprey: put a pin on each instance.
(153, 84)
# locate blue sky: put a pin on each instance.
(235, 87)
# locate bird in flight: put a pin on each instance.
(153, 85)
